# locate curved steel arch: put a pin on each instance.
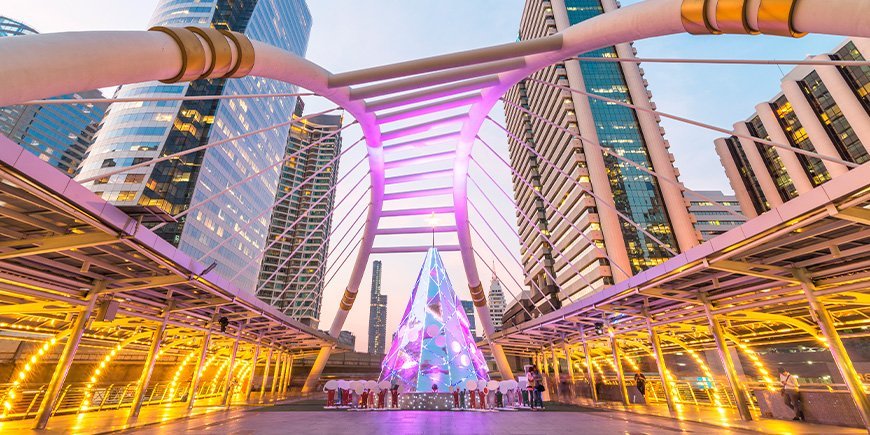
(41, 66)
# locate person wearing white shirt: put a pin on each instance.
(790, 393)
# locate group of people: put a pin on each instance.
(485, 398)
(361, 398)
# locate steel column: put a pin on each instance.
(194, 382)
(276, 375)
(253, 372)
(838, 351)
(568, 360)
(286, 383)
(589, 369)
(66, 358)
(228, 384)
(265, 376)
(727, 362)
(617, 363)
(660, 363)
(317, 369)
(145, 377)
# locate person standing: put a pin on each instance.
(790, 393)
(455, 392)
(530, 386)
(394, 393)
(640, 383)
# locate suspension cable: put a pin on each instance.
(623, 159)
(259, 173)
(305, 240)
(344, 236)
(514, 295)
(553, 207)
(759, 140)
(46, 102)
(590, 192)
(207, 146)
(349, 254)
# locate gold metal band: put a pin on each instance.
(192, 53)
(775, 17)
(347, 300)
(244, 54)
(732, 17)
(695, 19)
(221, 52)
(477, 296)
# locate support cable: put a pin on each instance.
(261, 172)
(349, 254)
(702, 125)
(271, 207)
(623, 159)
(46, 102)
(553, 207)
(305, 240)
(210, 145)
(589, 191)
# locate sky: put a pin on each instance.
(354, 34)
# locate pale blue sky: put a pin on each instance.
(352, 34)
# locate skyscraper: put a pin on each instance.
(58, 134)
(497, 303)
(468, 306)
(560, 222)
(377, 313)
(231, 229)
(295, 285)
(715, 219)
(822, 109)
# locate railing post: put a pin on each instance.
(617, 363)
(590, 370)
(265, 375)
(145, 377)
(660, 363)
(835, 344)
(66, 358)
(229, 379)
(727, 362)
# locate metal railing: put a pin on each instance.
(101, 397)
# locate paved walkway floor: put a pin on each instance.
(559, 419)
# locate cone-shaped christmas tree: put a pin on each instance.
(433, 344)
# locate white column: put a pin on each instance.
(611, 227)
(816, 132)
(733, 174)
(846, 100)
(789, 159)
(675, 203)
(758, 167)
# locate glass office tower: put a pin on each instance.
(58, 134)
(230, 230)
(588, 244)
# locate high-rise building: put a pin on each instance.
(823, 109)
(59, 134)
(231, 229)
(468, 306)
(377, 313)
(295, 285)
(717, 216)
(587, 229)
(497, 303)
(347, 338)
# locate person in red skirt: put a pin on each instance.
(330, 397)
(473, 399)
(381, 396)
(345, 397)
(455, 397)
(483, 398)
(364, 399)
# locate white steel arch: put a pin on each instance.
(45, 65)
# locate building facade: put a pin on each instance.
(713, 219)
(497, 304)
(231, 229)
(823, 109)
(560, 222)
(301, 220)
(468, 306)
(377, 313)
(58, 134)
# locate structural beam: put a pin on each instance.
(727, 363)
(617, 364)
(153, 352)
(660, 364)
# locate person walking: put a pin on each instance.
(530, 386)
(791, 393)
(640, 383)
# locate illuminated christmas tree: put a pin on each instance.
(433, 344)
